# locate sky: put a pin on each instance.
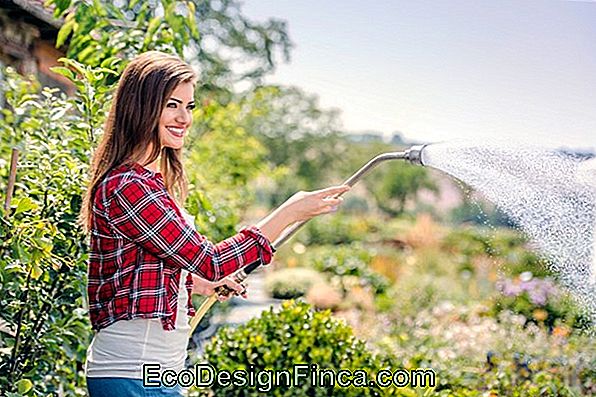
(443, 70)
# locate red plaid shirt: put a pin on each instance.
(140, 242)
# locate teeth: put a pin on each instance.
(176, 131)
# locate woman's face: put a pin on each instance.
(176, 116)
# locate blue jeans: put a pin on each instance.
(125, 387)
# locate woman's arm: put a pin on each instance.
(301, 206)
(143, 212)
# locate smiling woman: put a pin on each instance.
(146, 258)
(176, 117)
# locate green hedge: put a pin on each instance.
(296, 334)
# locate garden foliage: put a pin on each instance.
(44, 329)
(294, 335)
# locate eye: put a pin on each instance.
(171, 105)
(191, 107)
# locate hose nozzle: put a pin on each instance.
(414, 154)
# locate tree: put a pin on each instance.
(222, 160)
(305, 144)
(398, 183)
(226, 47)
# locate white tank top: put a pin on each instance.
(120, 349)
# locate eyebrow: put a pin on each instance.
(179, 101)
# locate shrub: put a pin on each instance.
(295, 334)
(292, 283)
(338, 229)
(43, 252)
(346, 261)
(478, 355)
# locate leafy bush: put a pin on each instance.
(295, 334)
(508, 245)
(292, 282)
(338, 229)
(347, 262)
(43, 251)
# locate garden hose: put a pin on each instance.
(223, 291)
(413, 155)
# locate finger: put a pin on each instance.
(331, 208)
(244, 289)
(233, 285)
(327, 209)
(333, 201)
(332, 191)
(224, 291)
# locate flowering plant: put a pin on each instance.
(538, 300)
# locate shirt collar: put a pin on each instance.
(145, 171)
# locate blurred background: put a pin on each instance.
(415, 271)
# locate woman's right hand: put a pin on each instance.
(301, 207)
(304, 205)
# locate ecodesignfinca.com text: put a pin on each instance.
(264, 380)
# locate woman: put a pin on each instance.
(146, 259)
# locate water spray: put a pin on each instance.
(414, 155)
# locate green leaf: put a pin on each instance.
(192, 22)
(106, 70)
(65, 30)
(153, 25)
(86, 52)
(61, 70)
(110, 63)
(36, 271)
(78, 67)
(24, 385)
(61, 6)
(24, 204)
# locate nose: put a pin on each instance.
(183, 116)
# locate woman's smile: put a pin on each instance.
(176, 131)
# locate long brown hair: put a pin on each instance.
(132, 125)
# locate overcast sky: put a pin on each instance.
(442, 70)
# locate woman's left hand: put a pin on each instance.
(205, 287)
